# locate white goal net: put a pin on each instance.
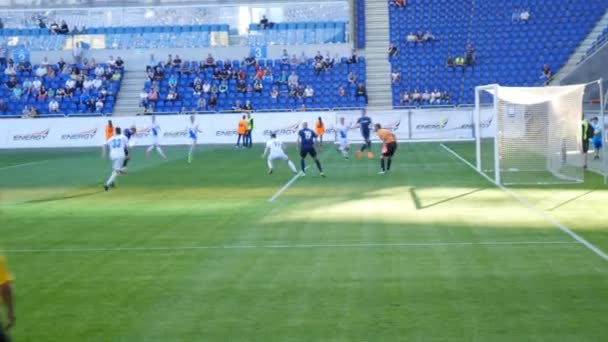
(534, 135)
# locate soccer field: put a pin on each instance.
(196, 252)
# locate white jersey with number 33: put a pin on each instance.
(117, 145)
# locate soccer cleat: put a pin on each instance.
(106, 187)
(302, 174)
(359, 154)
(596, 157)
(381, 172)
(189, 159)
(270, 171)
(370, 155)
(321, 174)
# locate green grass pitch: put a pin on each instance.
(179, 252)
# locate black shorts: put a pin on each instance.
(585, 145)
(308, 151)
(388, 150)
(365, 136)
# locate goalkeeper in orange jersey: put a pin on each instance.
(389, 146)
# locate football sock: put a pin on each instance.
(382, 164)
(318, 165)
(160, 151)
(292, 166)
(388, 163)
(149, 148)
(303, 165)
(112, 178)
(269, 164)
(190, 151)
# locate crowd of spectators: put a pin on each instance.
(520, 15)
(420, 37)
(418, 98)
(44, 87)
(463, 61)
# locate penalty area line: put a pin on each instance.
(287, 185)
(294, 246)
(534, 208)
(22, 165)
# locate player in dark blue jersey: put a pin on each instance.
(129, 132)
(364, 123)
(306, 141)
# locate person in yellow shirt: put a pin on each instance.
(320, 129)
(389, 146)
(7, 298)
(242, 131)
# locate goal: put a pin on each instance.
(529, 135)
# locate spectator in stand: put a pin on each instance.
(201, 105)
(419, 36)
(274, 93)
(25, 66)
(26, 86)
(177, 61)
(223, 88)
(153, 95)
(411, 38)
(268, 75)
(70, 84)
(237, 106)
(99, 106)
(159, 74)
(63, 28)
(212, 102)
(318, 57)
(395, 76)
(172, 95)
(435, 97)
(426, 97)
(3, 106)
(525, 15)
(293, 79)
(111, 62)
(259, 74)
(285, 57)
(149, 110)
(116, 76)
(241, 86)
(300, 91)
(546, 73)
(41, 71)
(54, 28)
(353, 57)
(26, 112)
(97, 82)
(10, 69)
(51, 93)
(416, 97)
(86, 84)
(450, 62)
(445, 97)
(3, 51)
(209, 62)
(151, 64)
(242, 75)
(303, 60)
(258, 86)
(392, 51)
(428, 36)
(399, 3)
(460, 62)
(318, 67)
(248, 106)
(99, 70)
(328, 61)
(341, 91)
(169, 61)
(11, 83)
(17, 92)
(264, 23)
(206, 87)
(120, 64)
(53, 106)
(250, 60)
(361, 92)
(294, 62)
(36, 84)
(248, 88)
(77, 53)
(352, 78)
(516, 15)
(406, 98)
(470, 55)
(283, 79)
(309, 92)
(143, 98)
(173, 81)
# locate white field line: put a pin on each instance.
(288, 246)
(532, 207)
(22, 165)
(287, 185)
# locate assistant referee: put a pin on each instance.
(389, 146)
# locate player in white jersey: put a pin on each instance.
(193, 136)
(274, 150)
(118, 145)
(155, 130)
(342, 138)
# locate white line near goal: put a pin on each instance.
(22, 165)
(532, 207)
(292, 246)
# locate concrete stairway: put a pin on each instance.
(581, 50)
(378, 68)
(127, 102)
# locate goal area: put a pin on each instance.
(530, 135)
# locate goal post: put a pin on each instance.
(529, 135)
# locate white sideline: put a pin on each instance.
(295, 246)
(532, 207)
(24, 164)
(287, 185)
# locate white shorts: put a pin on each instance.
(192, 141)
(117, 163)
(343, 143)
(279, 156)
(155, 140)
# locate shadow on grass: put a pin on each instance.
(63, 198)
(419, 206)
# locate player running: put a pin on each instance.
(342, 135)
(306, 142)
(597, 137)
(155, 136)
(320, 129)
(193, 135)
(364, 123)
(275, 147)
(587, 133)
(388, 148)
(117, 145)
(128, 133)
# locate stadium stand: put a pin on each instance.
(599, 42)
(77, 89)
(502, 50)
(264, 83)
(298, 33)
(360, 23)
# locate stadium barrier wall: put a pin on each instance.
(453, 124)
